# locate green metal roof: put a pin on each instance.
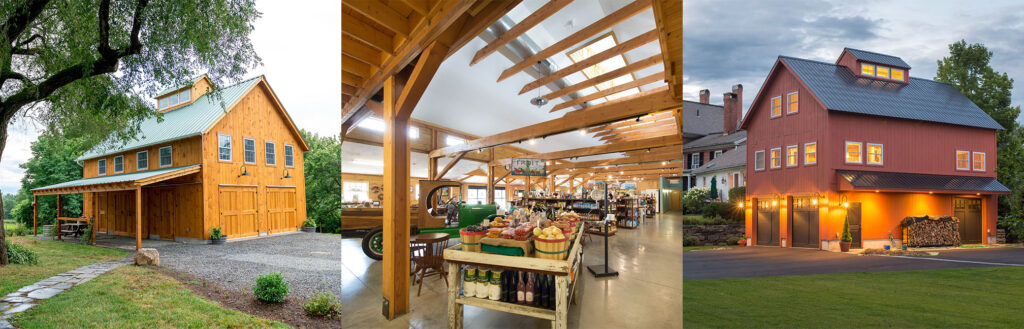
(187, 84)
(119, 178)
(186, 121)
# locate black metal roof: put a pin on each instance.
(883, 180)
(869, 56)
(920, 99)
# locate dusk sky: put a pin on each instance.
(726, 42)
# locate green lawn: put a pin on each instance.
(134, 297)
(947, 298)
(54, 258)
(692, 248)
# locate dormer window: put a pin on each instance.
(867, 69)
(881, 72)
(897, 74)
(176, 99)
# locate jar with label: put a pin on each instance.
(483, 283)
(494, 293)
(469, 282)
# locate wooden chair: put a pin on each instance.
(416, 250)
(432, 261)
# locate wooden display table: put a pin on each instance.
(566, 273)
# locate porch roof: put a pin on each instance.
(118, 182)
(894, 181)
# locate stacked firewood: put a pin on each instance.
(928, 231)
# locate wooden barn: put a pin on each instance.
(226, 157)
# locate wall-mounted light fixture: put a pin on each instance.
(244, 172)
(286, 174)
(844, 201)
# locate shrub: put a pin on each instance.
(215, 233)
(271, 288)
(86, 237)
(691, 241)
(846, 232)
(733, 240)
(1014, 227)
(17, 254)
(694, 199)
(738, 194)
(725, 210)
(18, 230)
(323, 304)
(309, 222)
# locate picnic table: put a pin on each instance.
(75, 227)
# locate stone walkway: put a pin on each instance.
(26, 297)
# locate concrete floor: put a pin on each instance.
(648, 293)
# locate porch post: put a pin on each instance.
(57, 219)
(35, 215)
(138, 218)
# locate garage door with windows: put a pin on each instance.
(767, 223)
(805, 222)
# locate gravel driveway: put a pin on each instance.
(308, 261)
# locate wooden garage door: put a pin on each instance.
(238, 211)
(281, 209)
(804, 223)
(968, 211)
(767, 223)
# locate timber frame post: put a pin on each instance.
(490, 184)
(35, 215)
(138, 218)
(396, 204)
(59, 236)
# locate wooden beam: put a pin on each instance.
(419, 6)
(449, 166)
(138, 218)
(656, 150)
(595, 59)
(490, 184)
(361, 52)
(601, 149)
(668, 126)
(668, 17)
(480, 21)
(595, 115)
(524, 25)
(679, 121)
(637, 126)
(355, 28)
(35, 215)
(351, 79)
(631, 122)
(354, 66)
(632, 67)
(615, 90)
(381, 14)
(428, 63)
(641, 135)
(395, 272)
(629, 167)
(600, 25)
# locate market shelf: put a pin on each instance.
(537, 312)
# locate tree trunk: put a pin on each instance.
(3, 234)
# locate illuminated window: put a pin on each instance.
(776, 106)
(759, 160)
(874, 154)
(853, 152)
(897, 74)
(792, 156)
(601, 44)
(963, 160)
(979, 161)
(883, 72)
(793, 104)
(867, 69)
(776, 157)
(810, 153)
(376, 124)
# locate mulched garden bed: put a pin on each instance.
(876, 251)
(289, 311)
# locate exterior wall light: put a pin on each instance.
(244, 172)
(740, 204)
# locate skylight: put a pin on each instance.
(378, 125)
(608, 65)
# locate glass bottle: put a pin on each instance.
(520, 289)
(531, 287)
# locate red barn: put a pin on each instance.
(861, 139)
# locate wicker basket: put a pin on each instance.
(551, 248)
(471, 240)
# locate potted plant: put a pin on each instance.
(216, 237)
(309, 225)
(844, 242)
(743, 240)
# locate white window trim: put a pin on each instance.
(115, 164)
(970, 160)
(139, 167)
(104, 167)
(874, 68)
(797, 147)
(891, 69)
(160, 158)
(771, 106)
(717, 154)
(772, 163)
(763, 159)
(231, 148)
(983, 161)
(266, 158)
(285, 150)
(881, 155)
(846, 158)
(254, 153)
(788, 112)
(695, 164)
(815, 153)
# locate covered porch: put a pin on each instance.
(124, 193)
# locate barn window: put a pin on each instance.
(224, 147)
(185, 96)
(271, 153)
(875, 154)
(119, 164)
(165, 156)
(101, 167)
(776, 106)
(853, 152)
(759, 160)
(165, 103)
(897, 74)
(867, 69)
(249, 150)
(776, 157)
(289, 156)
(793, 105)
(883, 72)
(979, 161)
(810, 153)
(355, 191)
(142, 160)
(792, 156)
(963, 160)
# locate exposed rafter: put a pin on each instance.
(595, 59)
(601, 149)
(615, 90)
(526, 24)
(632, 67)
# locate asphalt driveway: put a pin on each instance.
(772, 261)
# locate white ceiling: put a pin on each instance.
(359, 158)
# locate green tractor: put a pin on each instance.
(440, 210)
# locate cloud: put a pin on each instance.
(17, 151)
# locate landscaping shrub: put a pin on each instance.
(733, 240)
(86, 237)
(323, 304)
(18, 230)
(694, 199)
(215, 233)
(17, 254)
(271, 288)
(725, 210)
(1014, 227)
(690, 240)
(738, 194)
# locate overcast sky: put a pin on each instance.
(300, 46)
(726, 42)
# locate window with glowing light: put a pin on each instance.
(810, 153)
(597, 46)
(792, 101)
(776, 106)
(963, 160)
(776, 157)
(882, 72)
(897, 74)
(854, 151)
(875, 154)
(867, 69)
(792, 156)
(979, 161)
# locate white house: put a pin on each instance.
(729, 169)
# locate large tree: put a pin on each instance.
(52, 162)
(322, 166)
(56, 52)
(968, 69)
